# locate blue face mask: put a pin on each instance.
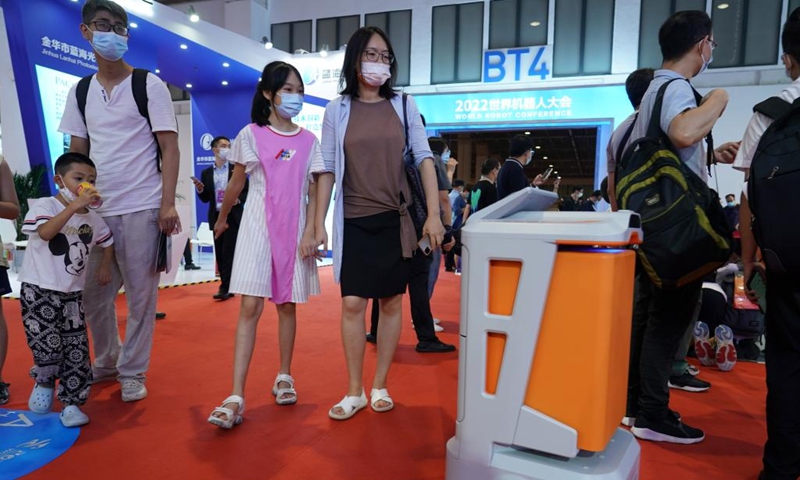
(291, 105)
(446, 156)
(109, 45)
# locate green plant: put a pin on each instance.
(28, 186)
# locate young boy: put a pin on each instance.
(62, 231)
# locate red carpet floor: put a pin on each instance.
(167, 436)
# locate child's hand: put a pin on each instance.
(308, 244)
(103, 275)
(87, 197)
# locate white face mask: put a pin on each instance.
(224, 152)
(375, 74)
(529, 157)
(710, 59)
(68, 196)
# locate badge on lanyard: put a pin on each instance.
(220, 197)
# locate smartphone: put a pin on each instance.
(195, 179)
(758, 285)
(547, 173)
(425, 245)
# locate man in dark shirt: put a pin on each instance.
(511, 177)
(571, 203)
(590, 204)
(485, 191)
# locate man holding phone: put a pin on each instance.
(211, 189)
(782, 450)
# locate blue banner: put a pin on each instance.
(29, 441)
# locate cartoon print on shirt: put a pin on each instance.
(76, 254)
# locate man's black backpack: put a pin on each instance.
(773, 186)
(685, 231)
(139, 88)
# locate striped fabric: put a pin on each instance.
(252, 264)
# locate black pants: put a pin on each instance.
(660, 319)
(187, 253)
(56, 331)
(782, 451)
(421, 314)
(224, 249)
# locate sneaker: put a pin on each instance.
(4, 393)
(438, 328)
(629, 420)
(669, 430)
(692, 370)
(436, 346)
(437, 321)
(688, 383)
(458, 272)
(191, 266)
(702, 345)
(133, 389)
(99, 376)
(72, 416)
(372, 338)
(726, 350)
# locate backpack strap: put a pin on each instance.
(710, 159)
(621, 148)
(405, 119)
(81, 93)
(773, 107)
(654, 127)
(139, 86)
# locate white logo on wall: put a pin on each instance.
(205, 141)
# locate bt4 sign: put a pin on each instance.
(517, 65)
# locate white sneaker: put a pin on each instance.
(133, 389)
(438, 328)
(72, 416)
(437, 321)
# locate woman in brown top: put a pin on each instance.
(363, 142)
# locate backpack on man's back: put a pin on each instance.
(685, 231)
(772, 189)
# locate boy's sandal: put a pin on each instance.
(41, 399)
(350, 405)
(376, 396)
(231, 418)
(280, 392)
(4, 393)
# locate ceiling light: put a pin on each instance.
(550, 166)
(527, 133)
(134, 25)
(324, 52)
(226, 64)
(224, 82)
(188, 85)
(193, 16)
(266, 42)
(538, 147)
(544, 158)
(535, 24)
(184, 46)
(723, 6)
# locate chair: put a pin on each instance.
(205, 237)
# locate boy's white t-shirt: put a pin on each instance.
(122, 145)
(60, 264)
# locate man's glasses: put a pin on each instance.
(374, 55)
(712, 43)
(103, 26)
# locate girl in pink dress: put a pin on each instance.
(276, 249)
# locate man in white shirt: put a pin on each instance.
(138, 200)
(782, 450)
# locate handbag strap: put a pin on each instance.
(405, 121)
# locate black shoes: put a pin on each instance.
(372, 338)
(191, 266)
(161, 315)
(688, 383)
(222, 295)
(670, 430)
(436, 346)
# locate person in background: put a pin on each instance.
(374, 236)
(573, 202)
(188, 263)
(511, 176)
(485, 192)
(62, 230)
(590, 205)
(276, 246)
(211, 190)
(635, 86)
(9, 209)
